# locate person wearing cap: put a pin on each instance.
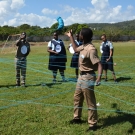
(106, 49)
(57, 57)
(75, 57)
(89, 62)
(23, 49)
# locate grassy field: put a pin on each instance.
(42, 108)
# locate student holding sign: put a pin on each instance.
(57, 57)
(23, 49)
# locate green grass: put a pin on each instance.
(47, 110)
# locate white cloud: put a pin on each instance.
(17, 4)
(48, 11)
(67, 9)
(31, 19)
(101, 12)
(4, 8)
(9, 8)
(130, 7)
(114, 13)
(100, 4)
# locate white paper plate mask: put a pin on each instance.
(24, 49)
(58, 48)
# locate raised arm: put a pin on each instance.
(18, 41)
(70, 35)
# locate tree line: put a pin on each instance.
(114, 31)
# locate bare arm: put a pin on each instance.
(99, 73)
(17, 42)
(70, 35)
(111, 54)
(51, 51)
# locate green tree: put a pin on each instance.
(24, 27)
(73, 27)
(80, 26)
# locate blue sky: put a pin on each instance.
(44, 12)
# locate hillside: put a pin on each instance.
(125, 25)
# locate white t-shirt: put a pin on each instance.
(71, 50)
(107, 43)
(57, 48)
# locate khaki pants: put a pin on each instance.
(20, 66)
(85, 89)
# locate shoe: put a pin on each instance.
(115, 81)
(63, 80)
(43, 84)
(17, 85)
(23, 85)
(94, 128)
(76, 121)
(54, 81)
(105, 80)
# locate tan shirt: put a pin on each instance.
(88, 58)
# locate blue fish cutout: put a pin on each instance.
(60, 23)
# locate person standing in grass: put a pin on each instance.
(23, 49)
(106, 48)
(57, 57)
(75, 57)
(89, 62)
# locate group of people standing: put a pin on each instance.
(58, 56)
(85, 60)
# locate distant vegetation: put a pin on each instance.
(113, 30)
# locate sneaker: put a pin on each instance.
(76, 121)
(105, 80)
(17, 85)
(64, 80)
(43, 84)
(115, 81)
(54, 81)
(94, 128)
(23, 85)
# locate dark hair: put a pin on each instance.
(56, 33)
(87, 34)
(104, 35)
(23, 33)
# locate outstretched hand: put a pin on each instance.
(69, 33)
